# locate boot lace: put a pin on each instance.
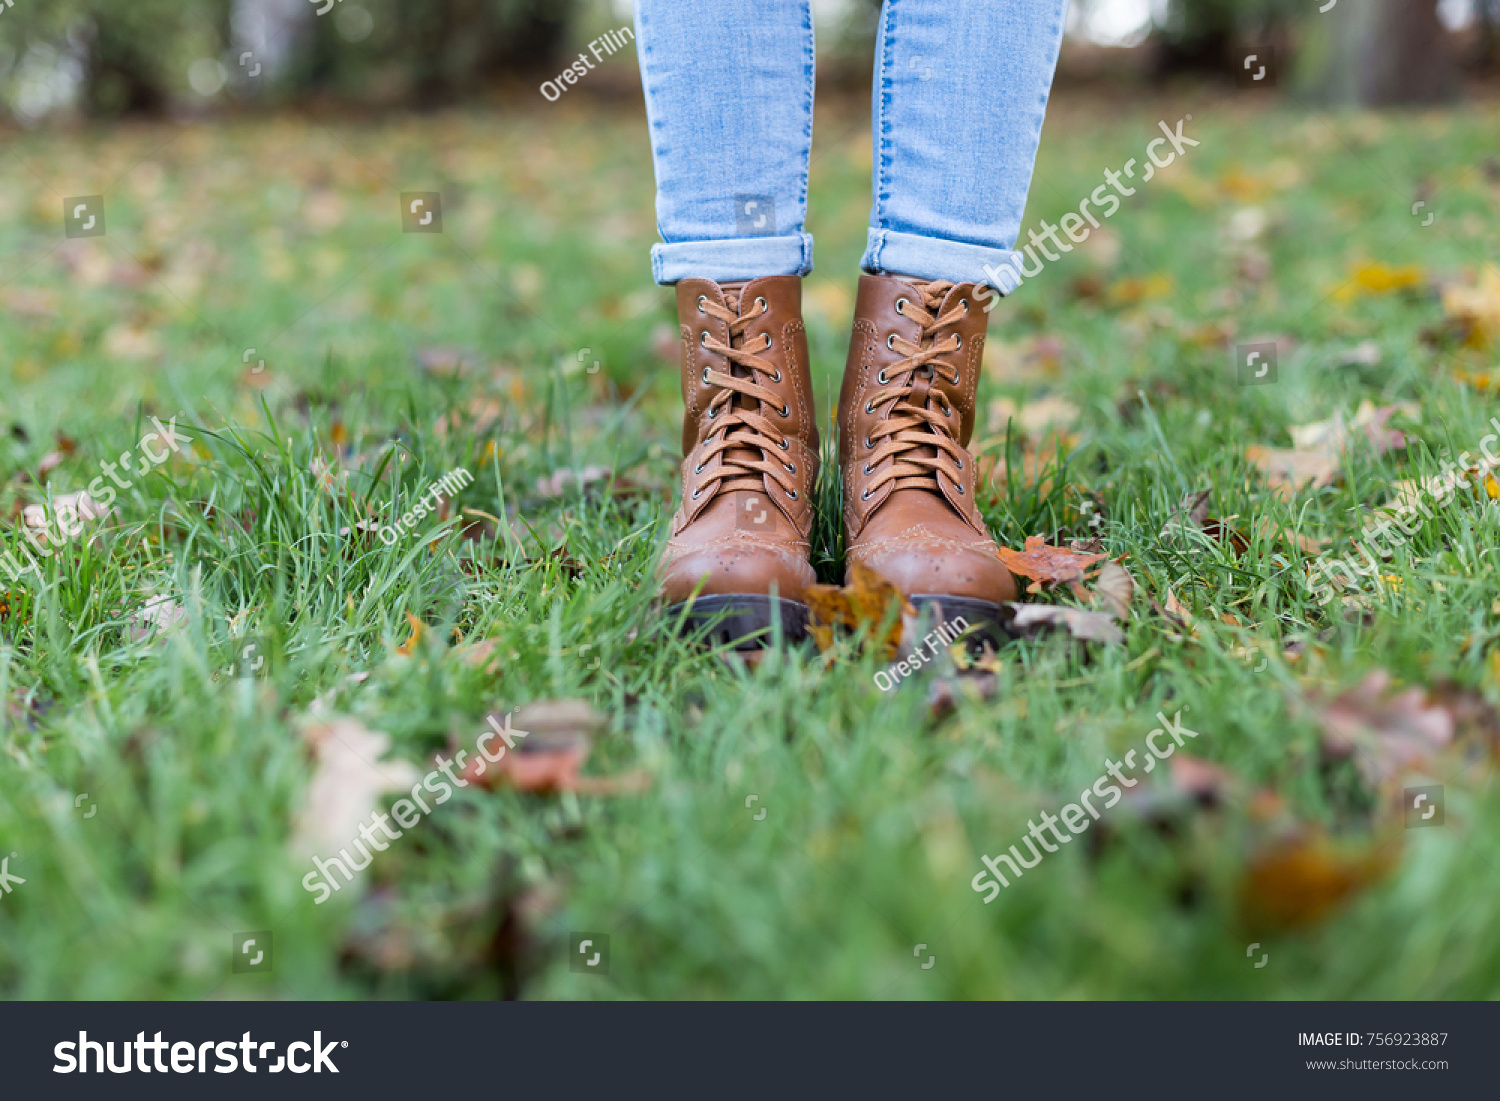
(916, 433)
(747, 438)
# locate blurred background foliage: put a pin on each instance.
(63, 59)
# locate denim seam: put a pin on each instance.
(883, 160)
(809, 72)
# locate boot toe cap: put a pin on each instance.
(735, 566)
(921, 565)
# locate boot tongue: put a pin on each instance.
(733, 292)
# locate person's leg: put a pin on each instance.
(960, 93)
(729, 89)
(729, 100)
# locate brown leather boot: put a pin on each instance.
(906, 412)
(739, 547)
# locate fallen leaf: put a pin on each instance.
(1289, 471)
(864, 604)
(547, 743)
(1057, 565)
(1375, 278)
(1335, 435)
(1136, 289)
(1032, 620)
(1115, 589)
(1477, 308)
(448, 362)
(350, 773)
(418, 629)
(1296, 882)
(557, 483)
(160, 615)
(1386, 735)
(1035, 419)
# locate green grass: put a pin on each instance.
(283, 236)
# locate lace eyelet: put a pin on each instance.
(947, 410)
(964, 302)
(761, 302)
(865, 496)
(791, 468)
(703, 340)
(900, 302)
(869, 469)
(890, 342)
(881, 378)
(959, 488)
(958, 341)
(697, 493)
(776, 377)
(702, 298)
(869, 444)
(698, 469)
(791, 493)
(960, 463)
(869, 407)
(705, 377)
(786, 410)
(769, 342)
(784, 444)
(713, 412)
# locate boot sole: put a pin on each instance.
(745, 621)
(987, 622)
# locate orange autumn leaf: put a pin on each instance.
(865, 603)
(1300, 881)
(418, 628)
(1041, 562)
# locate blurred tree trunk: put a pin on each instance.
(1382, 53)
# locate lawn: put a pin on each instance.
(776, 829)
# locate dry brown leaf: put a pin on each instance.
(478, 655)
(1057, 565)
(549, 742)
(1477, 308)
(1386, 735)
(865, 603)
(1035, 419)
(1114, 588)
(1034, 619)
(350, 773)
(1289, 471)
(160, 615)
(1336, 434)
(1299, 881)
(1314, 462)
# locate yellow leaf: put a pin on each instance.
(1477, 307)
(1374, 277)
(418, 629)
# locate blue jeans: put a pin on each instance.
(960, 92)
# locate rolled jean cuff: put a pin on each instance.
(933, 258)
(732, 259)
